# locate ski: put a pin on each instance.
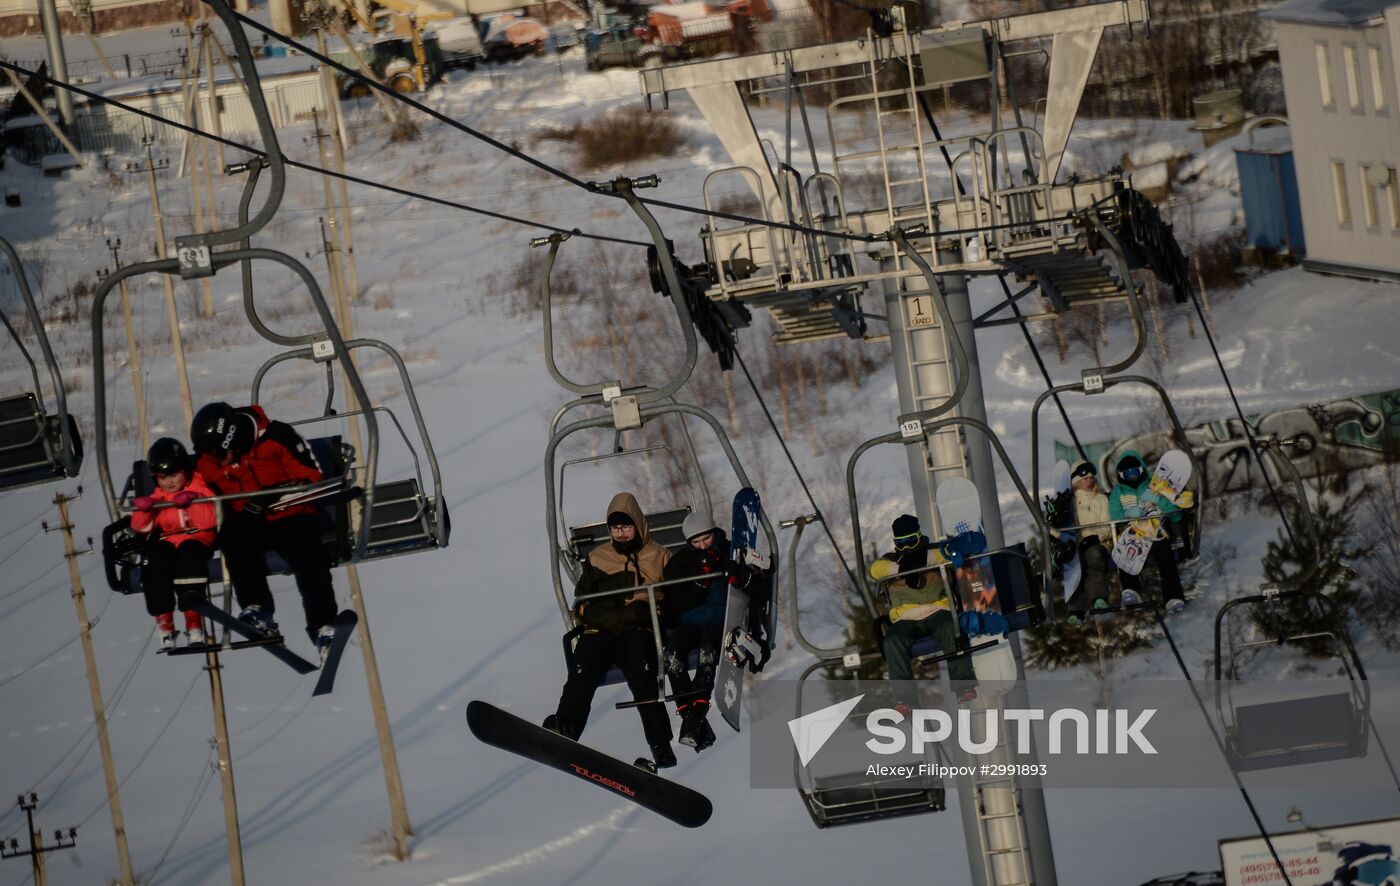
(277, 647)
(508, 732)
(344, 626)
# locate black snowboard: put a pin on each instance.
(278, 648)
(344, 626)
(510, 733)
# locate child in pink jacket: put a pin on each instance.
(180, 537)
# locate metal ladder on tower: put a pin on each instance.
(931, 371)
(1001, 828)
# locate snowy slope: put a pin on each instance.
(478, 620)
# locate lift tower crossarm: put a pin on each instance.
(659, 81)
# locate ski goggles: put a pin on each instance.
(1084, 470)
(906, 542)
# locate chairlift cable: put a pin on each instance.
(1219, 743)
(795, 469)
(306, 167)
(1044, 373)
(532, 160)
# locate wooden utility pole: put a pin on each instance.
(337, 130)
(388, 756)
(133, 350)
(221, 743)
(150, 168)
(37, 849)
(99, 713)
(214, 116)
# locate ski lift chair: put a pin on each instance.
(843, 798)
(1093, 385)
(1312, 728)
(569, 551)
(405, 515)
(1008, 567)
(35, 447)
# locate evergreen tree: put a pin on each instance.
(1314, 562)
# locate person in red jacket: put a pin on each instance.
(242, 451)
(181, 537)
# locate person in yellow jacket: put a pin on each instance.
(919, 607)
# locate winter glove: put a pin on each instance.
(184, 499)
(144, 503)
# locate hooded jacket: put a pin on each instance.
(1130, 502)
(1091, 511)
(174, 524)
(279, 457)
(608, 568)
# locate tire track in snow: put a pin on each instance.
(543, 851)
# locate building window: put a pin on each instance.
(1353, 77)
(1392, 190)
(1324, 74)
(1368, 198)
(1339, 189)
(1377, 79)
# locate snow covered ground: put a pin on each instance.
(478, 620)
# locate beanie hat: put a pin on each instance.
(621, 518)
(904, 525)
(697, 523)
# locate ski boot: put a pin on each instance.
(324, 638)
(662, 757)
(1131, 597)
(1175, 605)
(695, 728)
(259, 619)
(165, 627)
(194, 627)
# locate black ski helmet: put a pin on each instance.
(1130, 470)
(216, 429)
(168, 456)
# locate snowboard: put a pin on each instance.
(344, 626)
(273, 643)
(1059, 513)
(738, 649)
(508, 732)
(960, 512)
(1171, 475)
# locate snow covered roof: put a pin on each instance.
(1328, 12)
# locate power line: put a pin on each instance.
(206, 777)
(295, 164)
(795, 469)
(535, 161)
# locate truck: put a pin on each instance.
(618, 46)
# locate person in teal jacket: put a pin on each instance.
(1129, 499)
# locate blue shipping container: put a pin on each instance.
(1269, 188)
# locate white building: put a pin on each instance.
(1343, 93)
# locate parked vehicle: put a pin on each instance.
(460, 42)
(618, 46)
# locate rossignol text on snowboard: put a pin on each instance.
(508, 732)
